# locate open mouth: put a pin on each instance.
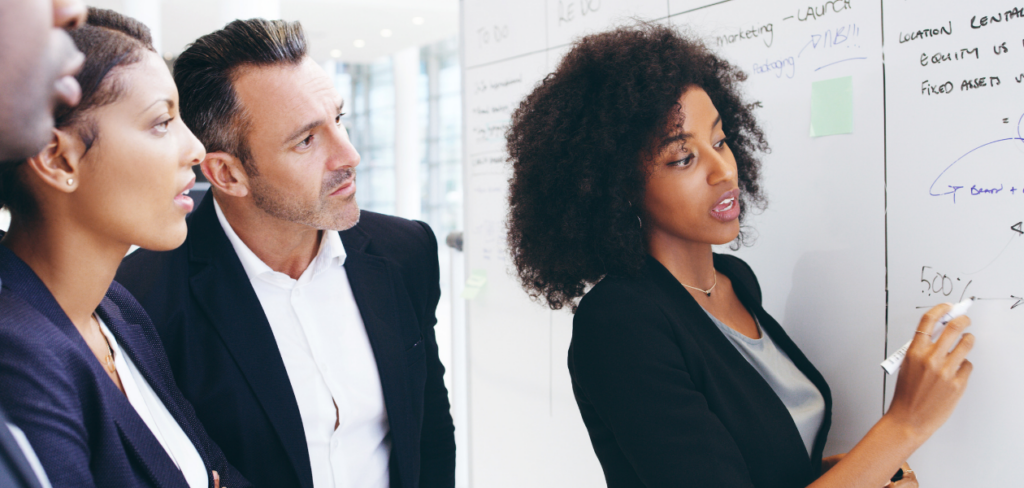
(728, 206)
(183, 200)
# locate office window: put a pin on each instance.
(369, 93)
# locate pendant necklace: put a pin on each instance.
(706, 292)
(108, 359)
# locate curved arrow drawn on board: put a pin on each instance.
(952, 191)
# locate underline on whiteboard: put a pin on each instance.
(502, 60)
(842, 61)
(695, 9)
(531, 53)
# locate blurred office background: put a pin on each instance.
(396, 64)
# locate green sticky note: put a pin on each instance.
(832, 107)
(476, 281)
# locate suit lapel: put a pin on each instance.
(752, 300)
(784, 342)
(222, 289)
(136, 437)
(139, 442)
(373, 286)
(140, 350)
(133, 343)
(145, 451)
(772, 409)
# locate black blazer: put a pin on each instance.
(669, 401)
(82, 428)
(225, 359)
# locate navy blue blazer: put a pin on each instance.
(15, 470)
(80, 424)
(669, 401)
(225, 358)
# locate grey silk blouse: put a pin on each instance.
(801, 397)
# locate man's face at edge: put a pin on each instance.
(38, 62)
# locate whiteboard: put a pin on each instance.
(948, 135)
(839, 250)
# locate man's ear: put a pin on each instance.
(225, 173)
(58, 165)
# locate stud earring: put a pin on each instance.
(71, 181)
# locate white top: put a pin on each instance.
(156, 416)
(801, 397)
(30, 455)
(329, 361)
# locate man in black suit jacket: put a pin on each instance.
(282, 175)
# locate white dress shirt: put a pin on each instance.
(330, 363)
(156, 416)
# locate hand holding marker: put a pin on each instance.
(892, 364)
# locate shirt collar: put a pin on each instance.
(331, 252)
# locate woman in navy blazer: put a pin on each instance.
(82, 371)
(631, 161)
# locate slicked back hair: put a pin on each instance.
(206, 70)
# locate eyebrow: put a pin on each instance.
(168, 101)
(682, 136)
(310, 126)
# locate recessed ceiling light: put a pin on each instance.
(358, 43)
(385, 33)
(417, 20)
(335, 53)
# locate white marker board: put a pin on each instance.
(955, 101)
(851, 220)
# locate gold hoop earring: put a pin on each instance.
(641, 222)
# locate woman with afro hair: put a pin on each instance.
(629, 162)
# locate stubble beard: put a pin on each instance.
(319, 214)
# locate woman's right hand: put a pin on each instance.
(931, 382)
(933, 377)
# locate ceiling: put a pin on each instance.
(333, 27)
